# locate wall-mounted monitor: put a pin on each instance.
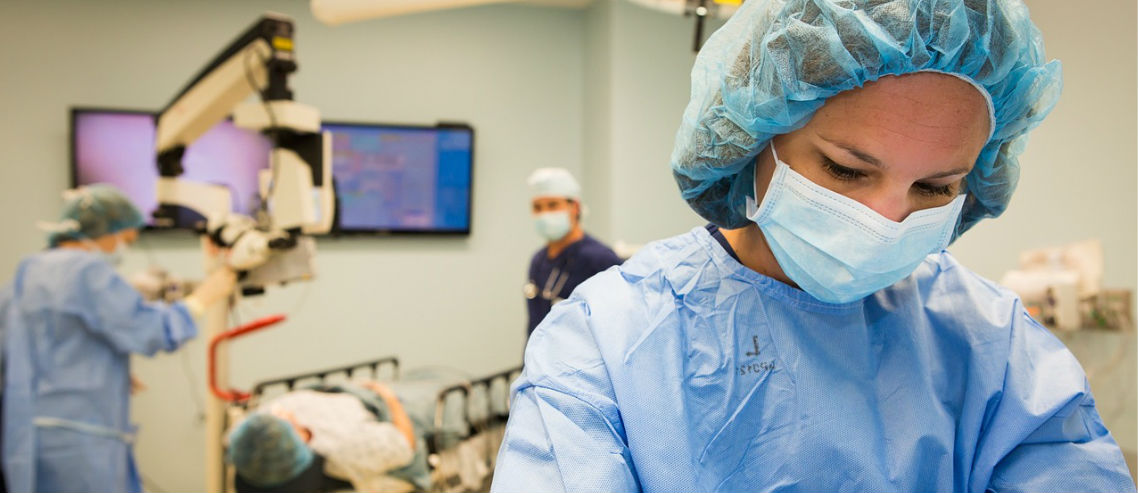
(402, 179)
(389, 178)
(117, 147)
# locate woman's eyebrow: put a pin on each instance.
(951, 172)
(870, 159)
(858, 153)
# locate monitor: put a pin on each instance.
(402, 179)
(117, 147)
(389, 178)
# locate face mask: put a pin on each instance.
(114, 257)
(118, 254)
(836, 248)
(552, 226)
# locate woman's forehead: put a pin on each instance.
(925, 117)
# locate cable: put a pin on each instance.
(234, 317)
(298, 306)
(274, 169)
(187, 370)
(145, 246)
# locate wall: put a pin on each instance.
(513, 72)
(1079, 170)
(646, 59)
(597, 167)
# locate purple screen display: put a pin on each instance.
(118, 148)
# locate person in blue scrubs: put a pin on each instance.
(570, 255)
(69, 324)
(816, 336)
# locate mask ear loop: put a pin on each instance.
(755, 205)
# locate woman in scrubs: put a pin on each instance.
(815, 336)
(69, 325)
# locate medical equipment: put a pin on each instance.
(553, 286)
(700, 9)
(335, 12)
(157, 284)
(275, 247)
(430, 191)
(298, 184)
(116, 147)
(466, 417)
(1062, 287)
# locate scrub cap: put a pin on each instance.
(93, 211)
(266, 450)
(553, 182)
(775, 62)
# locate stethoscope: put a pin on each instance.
(553, 285)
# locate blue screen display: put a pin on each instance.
(389, 178)
(402, 178)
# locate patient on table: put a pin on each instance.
(306, 439)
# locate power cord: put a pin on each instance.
(187, 370)
(274, 133)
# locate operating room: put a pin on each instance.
(595, 90)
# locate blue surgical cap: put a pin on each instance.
(775, 62)
(93, 211)
(267, 451)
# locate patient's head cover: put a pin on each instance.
(267, 450)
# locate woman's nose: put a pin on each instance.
(892, 204)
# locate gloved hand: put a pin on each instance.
(149, 282)
(216, 287)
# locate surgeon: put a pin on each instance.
(815, 336)
(570, 255)
(69, 324)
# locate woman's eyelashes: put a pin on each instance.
(931, 190)
(841, 172)
(845, 173)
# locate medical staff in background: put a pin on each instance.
(570, 255)
(815, 335)
(69, 324)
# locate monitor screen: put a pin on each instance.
(402, 179)
(389, 179)
(117, 147)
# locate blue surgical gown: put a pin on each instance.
(70, 324)
(683, 370)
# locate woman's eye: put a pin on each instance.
(840, 172)
(935, 190)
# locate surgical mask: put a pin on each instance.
(118, 254)
(114, 257)
(553, 225)
(837, 249)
